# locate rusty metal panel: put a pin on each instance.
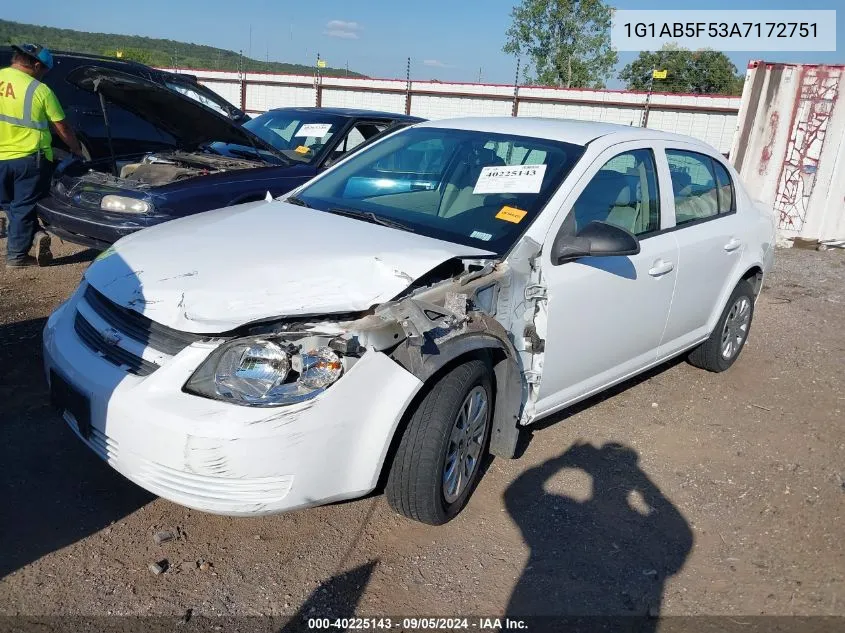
(790, 146)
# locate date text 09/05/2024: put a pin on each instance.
(721, 29)
(419, 623)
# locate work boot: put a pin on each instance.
(26, 261)
(42, 249)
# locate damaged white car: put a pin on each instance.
(405, 313)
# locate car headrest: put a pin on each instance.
(624, 197)
(483, 157)
(475, 159)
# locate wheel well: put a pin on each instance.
(490, 356)
(754, 276)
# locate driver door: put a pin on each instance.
(605, 316)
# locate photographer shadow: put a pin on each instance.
(609, 555)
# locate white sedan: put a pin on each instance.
(403, 314)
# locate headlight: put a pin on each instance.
(262, 372)
(124, 204)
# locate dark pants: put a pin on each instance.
(22, 182)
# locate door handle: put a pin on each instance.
(733, 245)
(660, 268)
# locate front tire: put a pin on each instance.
(728, 338)
(440, 455)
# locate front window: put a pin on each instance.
(624, 193)
(299, 136)
(475, 188)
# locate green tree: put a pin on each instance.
(696, 72)
(567, 41)
(155, 52)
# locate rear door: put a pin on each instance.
(606, 315)
(709, 234)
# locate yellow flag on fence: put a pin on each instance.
(321, 63)
(659, 74)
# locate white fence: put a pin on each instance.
(707, 117)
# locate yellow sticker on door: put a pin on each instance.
(511, 214)
(302, 150)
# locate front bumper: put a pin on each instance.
(90, 227)
(228, 459)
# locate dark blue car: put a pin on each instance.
(217, 163)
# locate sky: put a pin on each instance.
(449, 40)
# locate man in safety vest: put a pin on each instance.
(28, 108)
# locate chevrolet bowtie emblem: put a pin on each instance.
(111, 336)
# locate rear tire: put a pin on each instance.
(440, 455)
(728, 338)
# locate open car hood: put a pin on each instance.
(190, 123)
(215, 271)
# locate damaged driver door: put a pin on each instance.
(605, 316)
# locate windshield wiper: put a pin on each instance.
(369, 216)
(247, 154)
(298, 202)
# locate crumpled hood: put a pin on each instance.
(215, 271)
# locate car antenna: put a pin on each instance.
(107, 126)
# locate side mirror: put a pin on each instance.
(597, 239)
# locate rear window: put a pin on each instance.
(694, 186)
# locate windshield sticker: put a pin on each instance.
(481, 236)
(317, 130)
(511, 214)
(302, 149)
(510, 179)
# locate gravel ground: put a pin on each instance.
(744, 473)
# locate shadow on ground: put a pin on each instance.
(609, 554)
(53, 490)
(337, 597)
(86, 255)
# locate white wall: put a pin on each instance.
(710, 118)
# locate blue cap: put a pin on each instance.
(37, 52)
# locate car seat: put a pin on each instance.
(457, 195)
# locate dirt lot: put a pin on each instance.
(744, 472)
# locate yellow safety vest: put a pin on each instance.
(27, 107)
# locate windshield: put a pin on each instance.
(475, 188)
(299, 135)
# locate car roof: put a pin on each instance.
(566, 130)
(352, 112)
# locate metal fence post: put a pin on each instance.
(242, 77)
(408, 87)
(515, 109)
(318, 84)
